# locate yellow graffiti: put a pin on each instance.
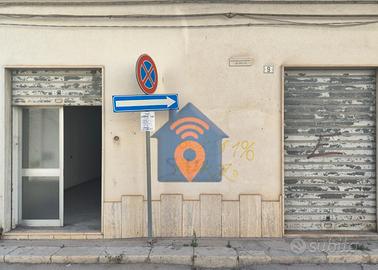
(229, 172)
(224, 144)
(243, 149)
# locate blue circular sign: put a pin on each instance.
(146, 74)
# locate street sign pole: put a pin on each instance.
(147, 78)
(149, 199)
(147, 124)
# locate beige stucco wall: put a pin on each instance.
(243, 101)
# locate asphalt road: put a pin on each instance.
(166, 267)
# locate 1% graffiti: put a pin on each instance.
(243, 149)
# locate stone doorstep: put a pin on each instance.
(45, 234)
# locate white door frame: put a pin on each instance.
(8, 189)
(18, 172)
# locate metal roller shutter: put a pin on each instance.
(330, 150)
(71, 87)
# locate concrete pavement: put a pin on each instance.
(197, 253)
(176, 267)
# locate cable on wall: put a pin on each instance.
(153, 2)
(332, 25)
(228, 15)
(258, 19)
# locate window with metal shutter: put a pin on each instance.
(330, 149)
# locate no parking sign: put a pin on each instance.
(146, 74)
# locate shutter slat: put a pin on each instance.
(70, 87)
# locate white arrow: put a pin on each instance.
(167, 101)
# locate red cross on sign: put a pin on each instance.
(146, 74)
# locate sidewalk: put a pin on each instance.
(206, 253)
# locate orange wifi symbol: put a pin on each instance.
(189, 127)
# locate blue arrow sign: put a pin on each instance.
(141, 103)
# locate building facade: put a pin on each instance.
(280, 96)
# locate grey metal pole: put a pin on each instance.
(149, 199)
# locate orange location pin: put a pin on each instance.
(189, 168)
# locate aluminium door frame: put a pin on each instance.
(16, 164)
(18, 171)
(9, 209)
(325, 66)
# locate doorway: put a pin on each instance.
(82, 168)
(56, 148)
(60, 174)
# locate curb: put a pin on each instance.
(206, 257)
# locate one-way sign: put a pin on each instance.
(140, 103)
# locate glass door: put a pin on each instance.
(41, 176)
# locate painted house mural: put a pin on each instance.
(189, 148)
